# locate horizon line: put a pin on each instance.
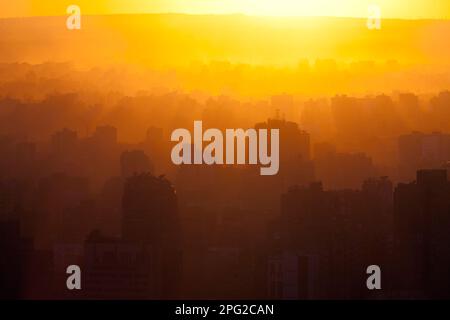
(224, 15)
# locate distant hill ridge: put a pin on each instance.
(173, 39)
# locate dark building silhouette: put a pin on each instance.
(99, 155)
(296, 142)
(295, 165)
(56, 196)
(25, 160)
(15, 261)
(422, 151)
(315, 224)
(105, 136)
(72, 196)
(340, 170)
(150, 217)
(439, 107)
(134, 162)
(422, 221)
(64, 141)
(117, 269)
(157, 146)
(328, 239)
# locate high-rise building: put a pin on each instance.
(105, 136)
(64, 141)
(117, 269)
(422, 151)
(150, 217)
(422, 221)
(134, 162)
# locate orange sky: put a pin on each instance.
(406, 9)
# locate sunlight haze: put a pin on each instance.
(403, 9)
